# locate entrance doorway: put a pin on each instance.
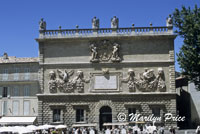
(105, 116)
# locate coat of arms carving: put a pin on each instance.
(105, 51)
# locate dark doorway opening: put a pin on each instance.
(105, 116)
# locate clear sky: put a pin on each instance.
(19, 18)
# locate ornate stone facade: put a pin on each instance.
(116, 68)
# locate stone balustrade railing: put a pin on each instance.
(70, 33)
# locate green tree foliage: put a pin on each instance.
(187, 21)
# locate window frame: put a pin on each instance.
(56, 115)
(155, 112)
(5, 74)
(80, 117)
(5, 92)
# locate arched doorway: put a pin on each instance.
(105, 116)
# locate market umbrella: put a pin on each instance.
(32, 127)
(6, 129)
(61, 127)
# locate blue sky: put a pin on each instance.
(20, 18)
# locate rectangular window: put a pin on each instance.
(26, 73)
(79, 115)
(56, 115)
(156, 111)
(26, 91)
(15, 91)
(4, 108)
(26, 107)
(5, 74)
(15, 107)
(16, 74)
(5, 92)
(130, 112)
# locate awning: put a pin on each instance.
(18, 120)
(116, 124)
(85, 125)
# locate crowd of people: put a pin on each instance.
(141, 129)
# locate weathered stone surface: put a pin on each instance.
(105, 59)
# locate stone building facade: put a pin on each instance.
(92, 75)
(18, 86)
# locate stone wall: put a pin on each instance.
(93, 103)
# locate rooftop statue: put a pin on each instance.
(95, 23)
(169, 21)
(114, 22)
(42, 24)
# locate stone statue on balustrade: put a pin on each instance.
(64, 84)
(115, 53)
(95, 23)
(94, 54)
(114, 22)
(42, 24)
(169, 21)
(52, 82)
(79, 81)
(131, 80)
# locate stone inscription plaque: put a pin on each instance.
(105, 82)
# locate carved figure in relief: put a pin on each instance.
(42, 24)
(79, 81)
(95, 23)
(161, 80)
(94, 53)
(114, 22)
(147, 81)
(52, 82)
(115, 53)
(105, 51)
(131, 80)
(63, 83)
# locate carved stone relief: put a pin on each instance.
(105, 51)
(52, 82)
(64, 84)
(130, 80)
(79, 81)
(147, 81)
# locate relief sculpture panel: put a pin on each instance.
(105, 51)
(64, 83)
(146, 81)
